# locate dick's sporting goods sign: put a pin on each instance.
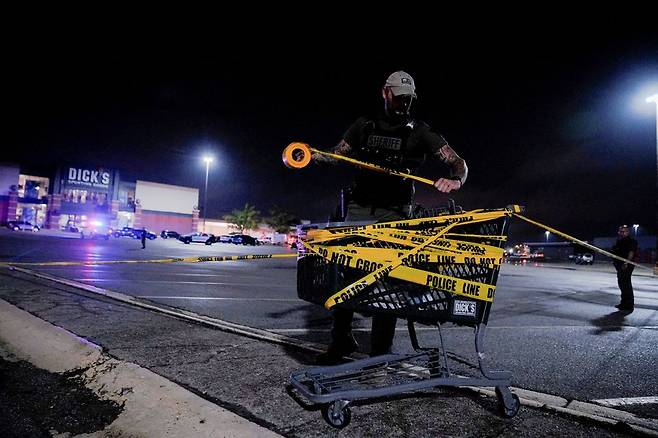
(98, 179)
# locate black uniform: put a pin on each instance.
(623, 247)
(401, 146)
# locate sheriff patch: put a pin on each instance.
(381, 142)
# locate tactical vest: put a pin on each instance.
(393, 147)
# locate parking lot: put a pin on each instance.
(553, 325)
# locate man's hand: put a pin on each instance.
(447, 185)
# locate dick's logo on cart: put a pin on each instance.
(464, 308)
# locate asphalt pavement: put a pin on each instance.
(555, 329)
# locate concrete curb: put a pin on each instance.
(600, 414)
(153, 405)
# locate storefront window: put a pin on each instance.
(72, 222)
(31, 189)
(32, 213)
(85, 197)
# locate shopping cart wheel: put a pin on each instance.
(508, 402)
(337, 414)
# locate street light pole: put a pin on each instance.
(654, 99)
(635, 227)
(547, 234)
(208, 160)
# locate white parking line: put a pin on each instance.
(453, 327)
(627, 401)
(117, 280)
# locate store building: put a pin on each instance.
(79, 194)
(166, 207)
(9, 174)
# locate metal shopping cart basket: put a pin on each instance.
(458, 287)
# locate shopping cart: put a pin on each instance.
(335, 387)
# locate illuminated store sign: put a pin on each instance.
(88, 178)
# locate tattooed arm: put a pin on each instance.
(343, 148)
(458, 170)
(353, 136)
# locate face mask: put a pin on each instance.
(398, 106)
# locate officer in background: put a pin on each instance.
(394, 140)
(625, 247)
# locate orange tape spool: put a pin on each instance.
(297, 155)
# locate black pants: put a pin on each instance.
(625, 285)
(381, 336)
(383, 326)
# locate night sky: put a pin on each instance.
(553, 125)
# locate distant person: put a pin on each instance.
(143, 238)
(625, 247)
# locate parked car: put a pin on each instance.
(137, 234)
(95, 229)
(585, 258)
(22, 226)
(197, 237)
(224, 239)
(71, 227)
(166, 234)
(264, 241)
(243, 239)
(124, 232)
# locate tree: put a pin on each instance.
(245, 219)
(280, 219)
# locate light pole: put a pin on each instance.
(654, 99)
(208, 160)
(547, 234)
(635, 227)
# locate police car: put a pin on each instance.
(95, 229)
(197, 237)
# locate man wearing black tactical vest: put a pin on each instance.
(397, 141)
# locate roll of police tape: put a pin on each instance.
(199, 259)
(298, 155)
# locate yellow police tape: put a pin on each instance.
(298, 155)
(429, 245)
(198, 259)
(585, 244)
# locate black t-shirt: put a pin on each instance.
(403, 147)
(622, 248)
